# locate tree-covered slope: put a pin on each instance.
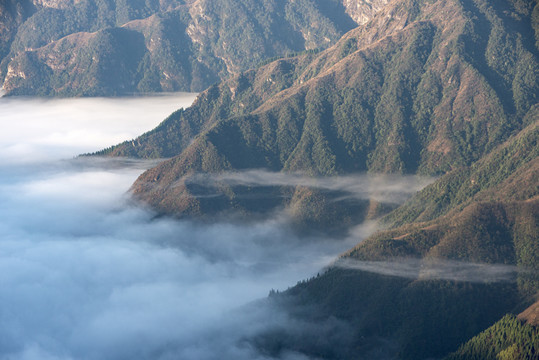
(12, 14)
(422, 288)
(446, 88)
(508, 339)
(171, 45)
(415, 90)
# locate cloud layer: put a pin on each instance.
(86, 275)
(38, 130)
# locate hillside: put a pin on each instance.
(507, 339)
(408, 92)
(173, 45)
(444, 88)
(421, 289)
(12, 14)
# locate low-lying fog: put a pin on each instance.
(86, 275)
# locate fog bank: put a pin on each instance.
(85, 274)
(37, 130)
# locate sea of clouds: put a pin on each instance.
(86, 274)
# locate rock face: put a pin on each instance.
(186, 45)
(362, 10)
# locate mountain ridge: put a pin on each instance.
(383, 108)
(187, 45)
(442, 88)
(446, 88)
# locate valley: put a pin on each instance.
(385, 152)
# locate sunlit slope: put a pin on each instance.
(419, 89)
(73, 48)
(508, 339)
(495, 222)
(445, 88)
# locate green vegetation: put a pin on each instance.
(509, 338)
(412, 100)
(452, 96)
(407, 318)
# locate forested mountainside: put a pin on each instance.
(112, 47)
(422, 88)
(427, 272)
(454, 266)
(446, 88)
(508, 339)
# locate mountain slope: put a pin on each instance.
(180, 45)
(507, 339)
(12, 15)
(421, 289)
(408, 92)
(445, 88)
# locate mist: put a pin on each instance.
(38, 130)
(385, 188)
(435, 269)
(87, 274)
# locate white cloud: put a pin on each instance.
(38, 130)
(85, 275)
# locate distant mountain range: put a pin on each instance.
(115, 47)
(445, 88)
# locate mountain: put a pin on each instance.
(507, 339)
(172, 45)
(443, 88)
(420, 289)
(12, 15)
(408, 92)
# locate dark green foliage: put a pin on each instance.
(508, 339)
(12, 14)
(386, 108)
(438, 95)
(459, 187)
(413, 319)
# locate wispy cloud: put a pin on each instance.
(435, 269)
(384, 188)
